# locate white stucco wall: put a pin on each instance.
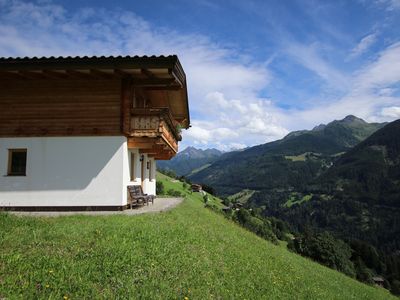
(66, 171)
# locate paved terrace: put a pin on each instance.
(160, 204)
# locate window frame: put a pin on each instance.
(10, 158)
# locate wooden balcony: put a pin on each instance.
(154, 131)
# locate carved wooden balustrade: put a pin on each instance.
(155, 123)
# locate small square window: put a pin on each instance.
(16, 162)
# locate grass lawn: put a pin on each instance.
(189, 251)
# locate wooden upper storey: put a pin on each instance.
(92, 96)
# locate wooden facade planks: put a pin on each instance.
(127, 93)
(68, 107)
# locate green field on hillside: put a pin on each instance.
(189, 251)
(295, 198)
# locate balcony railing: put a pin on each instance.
(155, 122)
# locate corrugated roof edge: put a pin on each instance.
(13, 63)
(44, 58)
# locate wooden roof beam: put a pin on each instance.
(54, 74)
(101, 74)
(163, 88)
(173, 74)
(148, 151)
(122, 73)
(8, 74)
(148, 82)
(31, 75)
(148, 73)
(77, 74)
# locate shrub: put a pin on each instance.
(327, 250)
(174, 193)
(395, 287)
(208, 189)
(362, 272)
(184, 179)
(256, 225)
(159, 188)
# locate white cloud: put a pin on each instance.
(365, 43)
(310, 58)
(382, 73)
(386, 91)
(198, 134)
(391, 112)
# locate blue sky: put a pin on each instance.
(256, 69)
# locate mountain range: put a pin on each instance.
(190, 161)
(289, 163)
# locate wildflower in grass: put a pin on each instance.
(186, 298)
(65, 297)
(47, 286)
(51, 271)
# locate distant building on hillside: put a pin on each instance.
(196, 188)
(379, 281)
(75, 132)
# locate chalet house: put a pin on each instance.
(75, 132)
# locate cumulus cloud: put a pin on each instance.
(245, 121)
(391, 112)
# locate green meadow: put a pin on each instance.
(190, 252)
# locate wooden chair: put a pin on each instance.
(138, 197)
(135, 199)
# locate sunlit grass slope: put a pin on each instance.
(189, 251)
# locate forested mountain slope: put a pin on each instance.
(289, 163)
(359, 196)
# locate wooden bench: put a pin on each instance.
(137, 197)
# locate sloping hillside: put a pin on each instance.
(187, 252)
(289, 163)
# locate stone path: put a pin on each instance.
(160, 204)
